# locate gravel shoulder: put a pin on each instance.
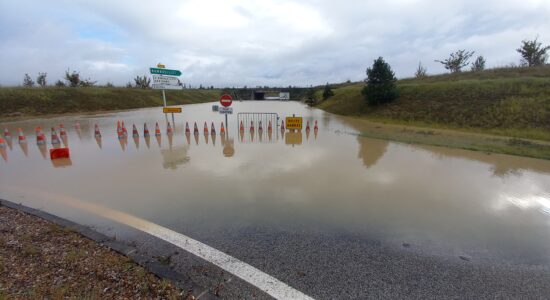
(40, 259)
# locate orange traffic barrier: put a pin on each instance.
(222, 129)
(55, 138)
(7, 134)
(187, 128)
(242, 126)
(212, 129)
(260, 128)
(62, 132)
(40, 137)
(22, 138)
(145, 130)
(205, 128)
(59, 153)
(2, 143)
(196, 129)
(269, 128)
(307, 125)
(169, 129)
(282, 125)
(157, 129)
(315, 127)
(97, 133)
(135, 133)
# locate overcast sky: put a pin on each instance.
(264, 42)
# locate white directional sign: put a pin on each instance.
(225, 110)
(166, 80)
(166, 87)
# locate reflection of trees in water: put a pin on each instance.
(172, 158)
(371, 150)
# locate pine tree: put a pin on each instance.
(381, 87)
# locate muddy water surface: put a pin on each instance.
(441, 201)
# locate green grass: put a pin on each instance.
(40, 101)
(512, 102)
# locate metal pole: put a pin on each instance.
(226, 128)
(164, 100)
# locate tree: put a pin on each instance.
(479, 64)
(87, 83)
(109, 85)
(311, 99)
(27, 81)
(142, 82)
(129, 85)
(457, 60)
(533, 53)
(59, 83)
(327, 93)
(41, 79)
(380, 81)
(73, 79)
(421, 71)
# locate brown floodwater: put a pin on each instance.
(445, 201)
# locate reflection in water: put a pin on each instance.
(62, 162)
(98, 141)
(123, 142)
(147, 139)
(158, 138)
(170, 137)
(43, 150)
(293, 138)
(371, 150)
(25, 148)
(206, 137)
(188, 138)
(228, 147)
(172, 158)
(4, 154)
(214, 139)
(136, 142)
(196, 135)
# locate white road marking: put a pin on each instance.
(248, 273)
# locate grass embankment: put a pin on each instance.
(513, 103)
(39, 101)
(41, 260)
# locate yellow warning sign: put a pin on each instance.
(167, 110)
(293, 123)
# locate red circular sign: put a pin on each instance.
(226, 100)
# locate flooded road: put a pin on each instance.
(271, 199)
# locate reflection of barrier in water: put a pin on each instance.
(123, 142)
(62, 162)
(43, 150)
(172, 158)
(188, 137)
(25, 149)
(158, 138)
(206, 137)
(228, 147)
(187, 128)
(213, 139)
(2, 143)
(196, 135)
(136, 142)
(147, 141)
(196, 129)
(98, 141)
(4, 154)
(170, 141)
(293, 138)
(59, 153)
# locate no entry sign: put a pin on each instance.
(226, 100)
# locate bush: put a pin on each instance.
(327, 93)
(380, 86)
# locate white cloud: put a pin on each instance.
(245, 42)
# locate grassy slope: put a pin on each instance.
(36, 101)
(512, 102)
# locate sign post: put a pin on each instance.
(166, 79)
(225, 101)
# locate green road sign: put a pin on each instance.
(165, 72)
